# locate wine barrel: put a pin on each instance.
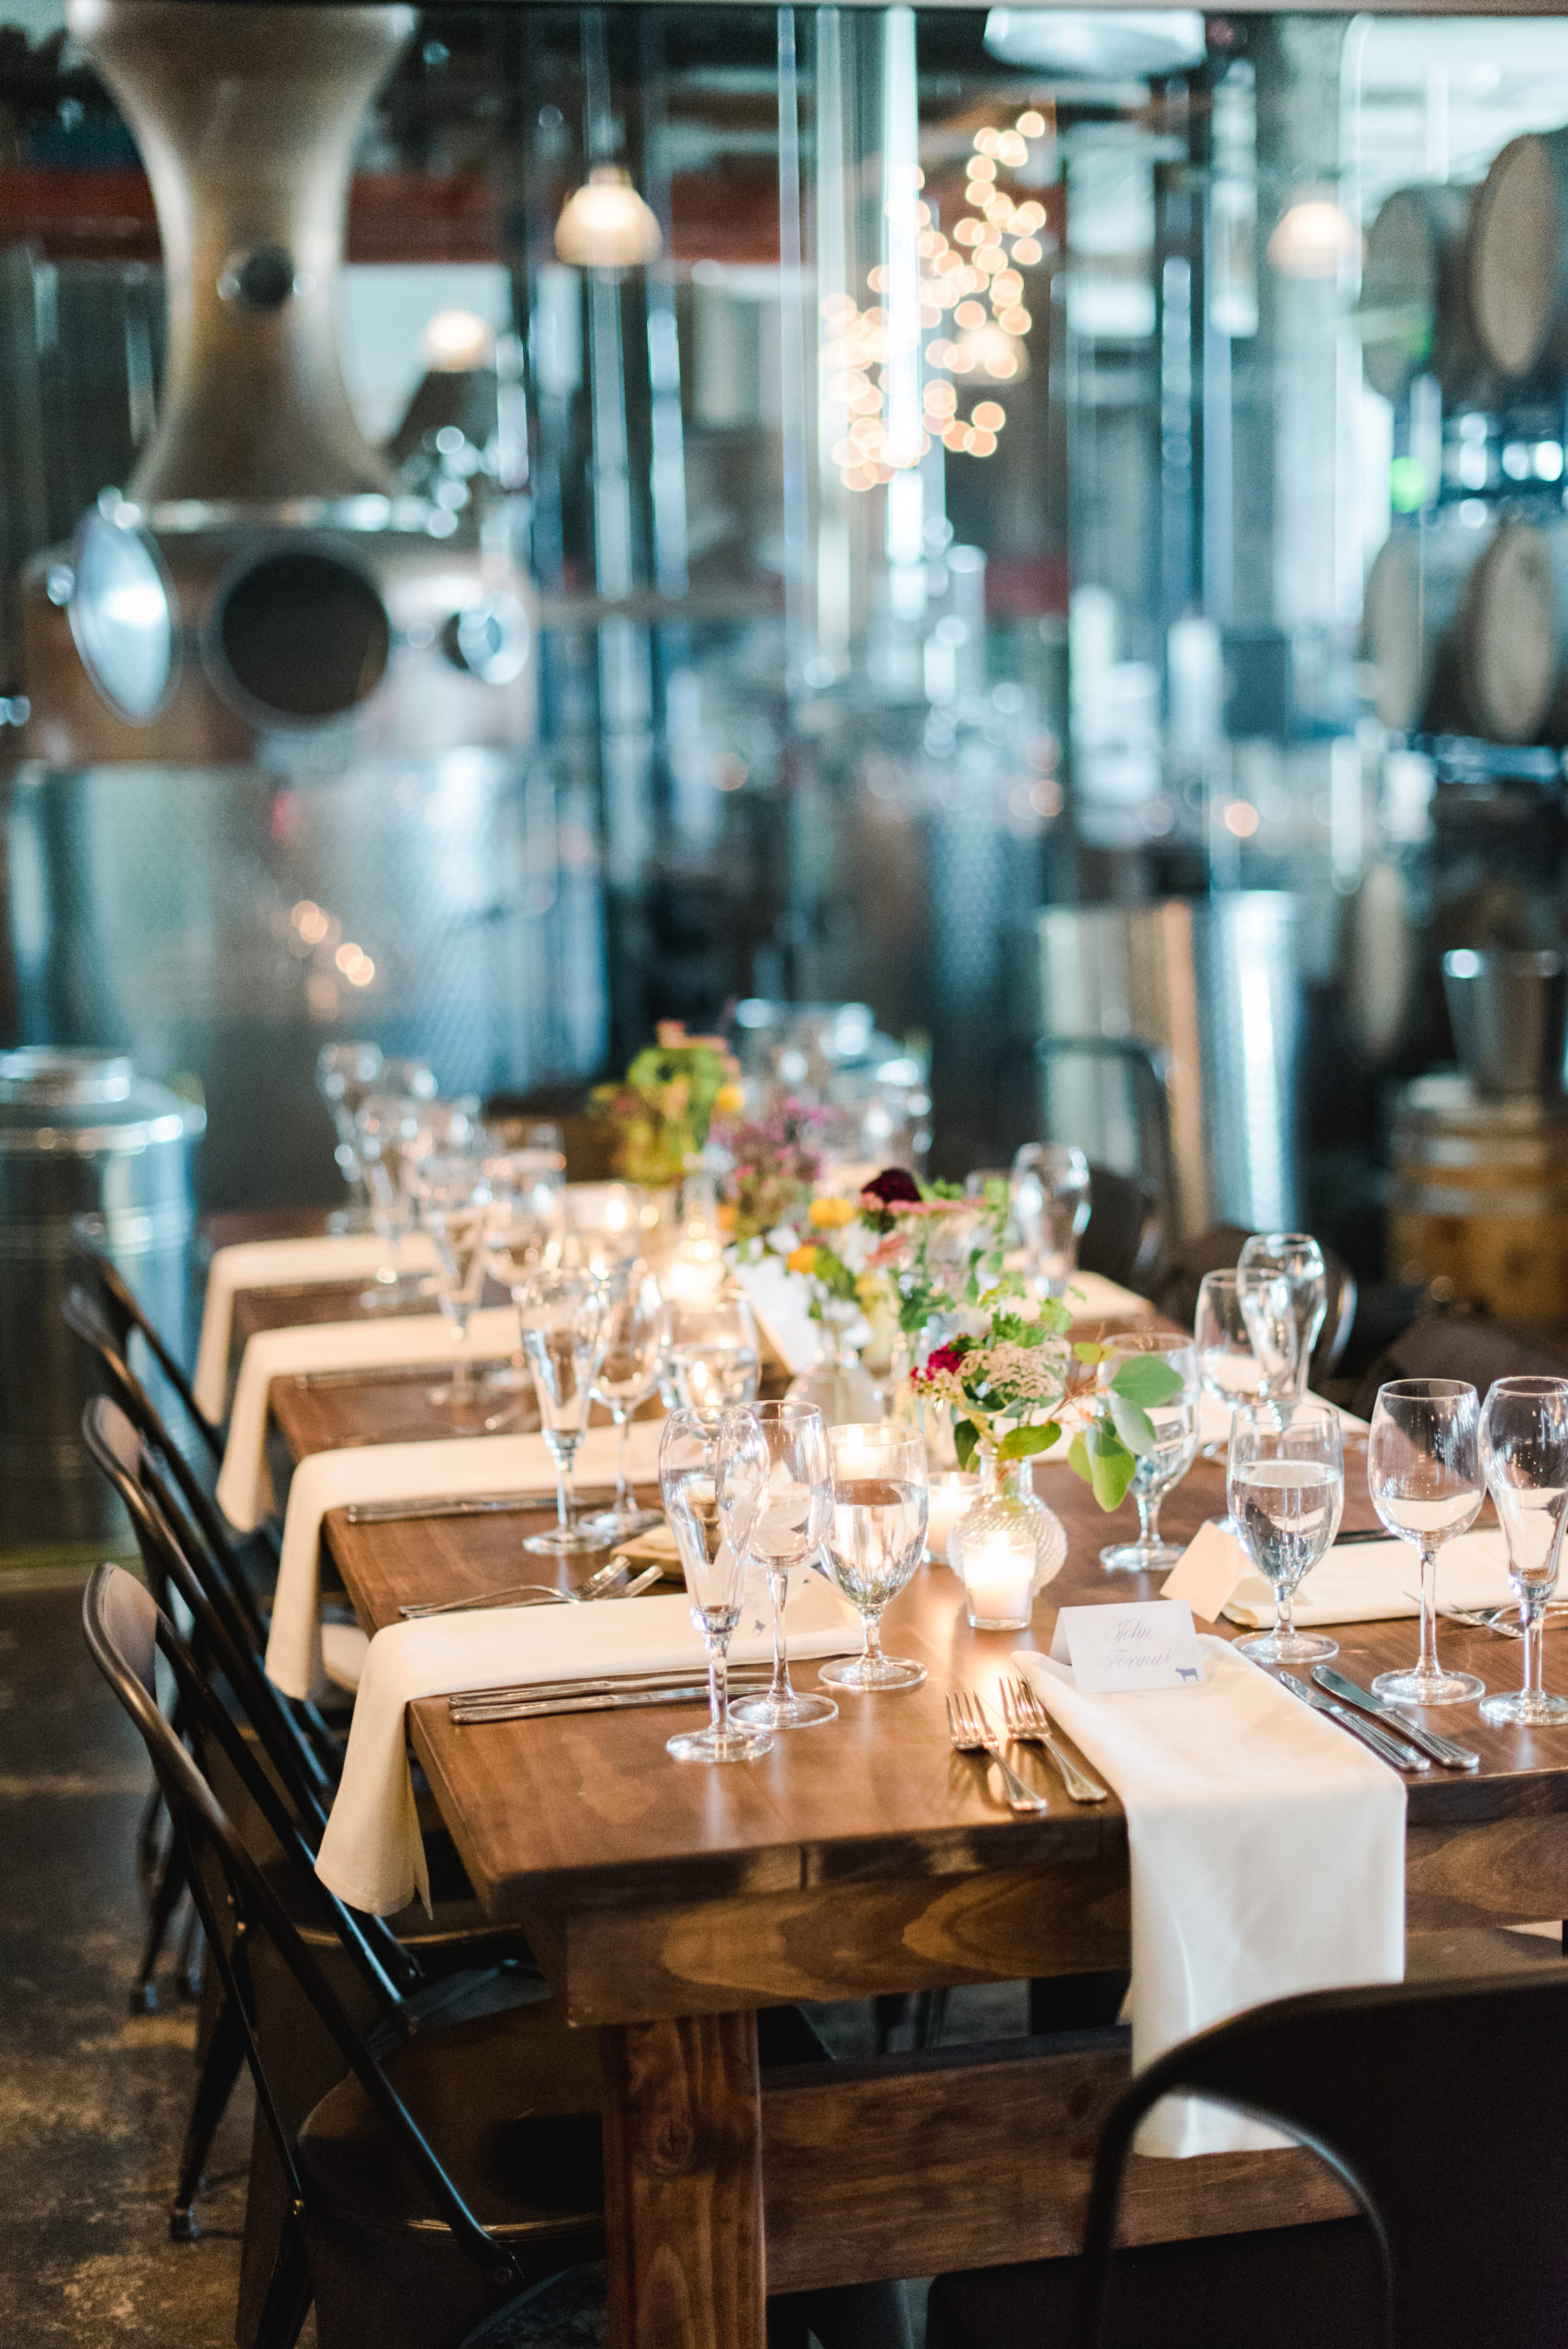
(1511, 634)
(1480, 1198)
(1463, 626)
(1413, 622)
(1414, 316)
(1516, 260)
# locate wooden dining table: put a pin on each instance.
(668, 1904)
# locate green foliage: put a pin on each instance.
(1147, 1379)
(966, 1440)
(1104, 1463)
(1023, 1443)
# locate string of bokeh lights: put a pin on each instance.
(976, 279)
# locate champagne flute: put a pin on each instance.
(712, 1358)
(791, 1520)
(1286, 1487)
(709, 1507)
(455, 1207)
(1285, 1295)
(874, 1541)
(1423, 1471)
(629, 1375)
(1175, 1446)
(388, 1128)
(345, 1076)
(562, 1319)
(1524, 1456)
(1049, 1186)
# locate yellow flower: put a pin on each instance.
(729, 1100)
(832, 1215)
(727, 1214)
(802, 1260)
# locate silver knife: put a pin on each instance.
(513, 1692)
(1387, 1749)
(452, 1505)
(534, 1708)
(1441, 1749)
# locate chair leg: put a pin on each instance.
(165, 1900)
(289, 2294)
(224, 2057)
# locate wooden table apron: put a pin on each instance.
(668, 1904)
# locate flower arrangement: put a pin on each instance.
(658, 1116)
(775, 1162)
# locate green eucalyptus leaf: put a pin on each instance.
(1078, 1459)
(1111, 1465)
(1088, 1351)
(1147, 1379)
(965, 1437)
(1024, 1443)
(1133, 1424)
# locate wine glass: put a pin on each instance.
(629, 1375)
(1228, 1370)
(1524, 1457)
(1175, 1446)
(1050, 1190)
(874, 1541)
(530, 1221)
(387, 1129)
(709, 1509)
(563, 1316)
(1284, 1297)
(345, 1074)
(1423, 1470)
(455, 1207)
(604, 1225)
(1285, 1480)
(712, 1358)
(792, 1517)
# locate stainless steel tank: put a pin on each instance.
(80, 1133)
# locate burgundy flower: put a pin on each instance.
(894, 1183)
(943, 1358)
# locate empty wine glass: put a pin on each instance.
(1049, 1191)
(455, 1207)
(387, 1129)
(1284, 1297)
(345, 1076)
(712, 1358)
(1524, 1457)
(563, 1318)
(875, 1539)
(788, 1528)
(1286, 1479)
(1423, 1471)
(1228, 1370)
(530, 1222)
(710, 1509)
(629, 1376)
(1175, 1446)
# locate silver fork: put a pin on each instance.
(1028, 1723)
(595, 1586)
(970, 1732)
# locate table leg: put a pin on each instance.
(684, 2184)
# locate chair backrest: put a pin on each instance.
(1445, 1348)
(1443, 2107)
(1119, 1084)
(1216, 1250)
(125, 1632)
(1121, 1239)
(124, 1312)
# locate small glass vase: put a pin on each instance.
(1007, 1497)
(839, 1384)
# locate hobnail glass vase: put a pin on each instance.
(1007, 1493)
(839, 1384)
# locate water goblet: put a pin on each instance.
(1049, 1188)
(387, 1129)
(1175, 1446)
(562, 1317)
(712, 1358)
(345, 1074)
(874, 1541)
(710, 1508)
(1229, 1370)
(629, 1376)
(1286, 1481)
(455, 1207)
(1284, 1297)
(1423, 1471)
(791, 1520)
(1524, 1457)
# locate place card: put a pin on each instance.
(1113, 1650)
(1208, 1571)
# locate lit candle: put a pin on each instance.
(860, 1453)
(952, 1496)
(999, 1578)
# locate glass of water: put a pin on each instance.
(712, 1358)
(1524, 1456)
(1049, 1188)
(345, 1076)
(562, 1317)
(1285, 1477)
(1284, 1297)
(1423, 1471)
(387, 1129)
(874, 1541)
(1175, 1446)
(710, 1498)
(787, 1531)
(455, 1207)
(629, 1376)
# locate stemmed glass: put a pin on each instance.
(562, 1317)
(1228, 1370)
(387, 1129)
(792, 1519)
(1285, 1478)
(712, 1358)
(1284, 1297)
(709, 1503)
(1049, 1186)
(455, 1207)
(629, 1375)
(1175, 1446)
(874, 1541)
(1524, 1456)
(1423, 1471)
(345, 1073)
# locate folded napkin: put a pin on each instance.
(408, 1471)
(1092, 1297)
(1370, 1581)
(1214, 1420)
(284, 1264)
(371, 1854)
(1267, 1853)
(244, 1489)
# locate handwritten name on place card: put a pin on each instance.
(1112, 1650)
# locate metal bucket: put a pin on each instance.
(80, 1133)
(1509, 1012)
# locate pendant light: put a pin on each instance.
(606, 225)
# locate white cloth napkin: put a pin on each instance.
(1099, 1299)
(1370, 1582)
(408, 1472)
(244, 1487)
(284, 1264)
(1267, 1852)
(371, 1854)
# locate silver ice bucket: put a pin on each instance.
(1509, 1013)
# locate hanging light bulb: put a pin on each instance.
(606, 225)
